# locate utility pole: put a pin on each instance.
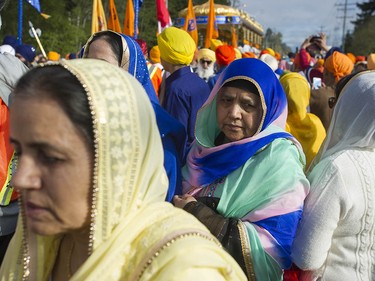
(345, 9)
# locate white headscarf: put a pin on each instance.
(11, 69)
(353, 119)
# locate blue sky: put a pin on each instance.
(297, 19)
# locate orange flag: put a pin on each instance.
(113, 21)
(129, 19)
(99, 22)
(234, 37)
(190, 25)
(211, 30)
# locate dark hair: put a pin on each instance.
(339, 87)
(113, 39)
(59, 84)
(243, 85)
(342, 82)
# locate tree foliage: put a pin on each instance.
(69, 26)
(65, 31)
(274, 40)
(362, 40)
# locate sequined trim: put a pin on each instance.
(125, 59)
(96, 155)
(25, 248)
(166, 243)
(246, 252)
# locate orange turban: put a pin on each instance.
(249, 55)
(155, 54)
(339, 65)
(53, 56)
(371, 61)
(352, 57)
(225, 54)
(360, 58)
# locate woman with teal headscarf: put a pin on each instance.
(124, 51)
(244, 174)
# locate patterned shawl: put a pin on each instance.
(264, 185)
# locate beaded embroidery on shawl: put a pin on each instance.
(114, 127)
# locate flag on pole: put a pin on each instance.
(190, 25)
(164, 19)
(99, 22)
(113, 21)
(211, 30)
(36, 5)
(234, 37)
(129, 19)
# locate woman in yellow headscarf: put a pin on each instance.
(305, 127)
(92, 185)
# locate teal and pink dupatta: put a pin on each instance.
(264, 185)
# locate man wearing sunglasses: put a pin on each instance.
(206, 62)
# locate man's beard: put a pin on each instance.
(205, 73)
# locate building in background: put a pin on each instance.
(228, 19)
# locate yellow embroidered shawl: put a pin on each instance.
(135, 235)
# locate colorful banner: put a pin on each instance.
(113, 21)
(164, 19)
(190, 25)
(211, 30)
(129, 19)
(35, 4)
(99, 22)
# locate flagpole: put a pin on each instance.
(136, 9)
(20, 16)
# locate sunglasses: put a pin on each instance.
(331, 102)
(202, 61)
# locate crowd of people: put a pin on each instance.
(124, 161)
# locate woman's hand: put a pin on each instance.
(181, 200)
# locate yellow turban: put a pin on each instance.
(53, 56)
(176, 46)
(238, 53)
(270, 51)
(339, 64)
(215, 43)
(371, 61)
(205, 53)
(155, 54)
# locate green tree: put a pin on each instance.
(362, 40)
(65, 31)
(274, 40)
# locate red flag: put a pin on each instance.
(190, 25)
(211, 30)
(129, 19)
(113, 21)
(164, 19)
(99, 22)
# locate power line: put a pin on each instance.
(345, 10)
